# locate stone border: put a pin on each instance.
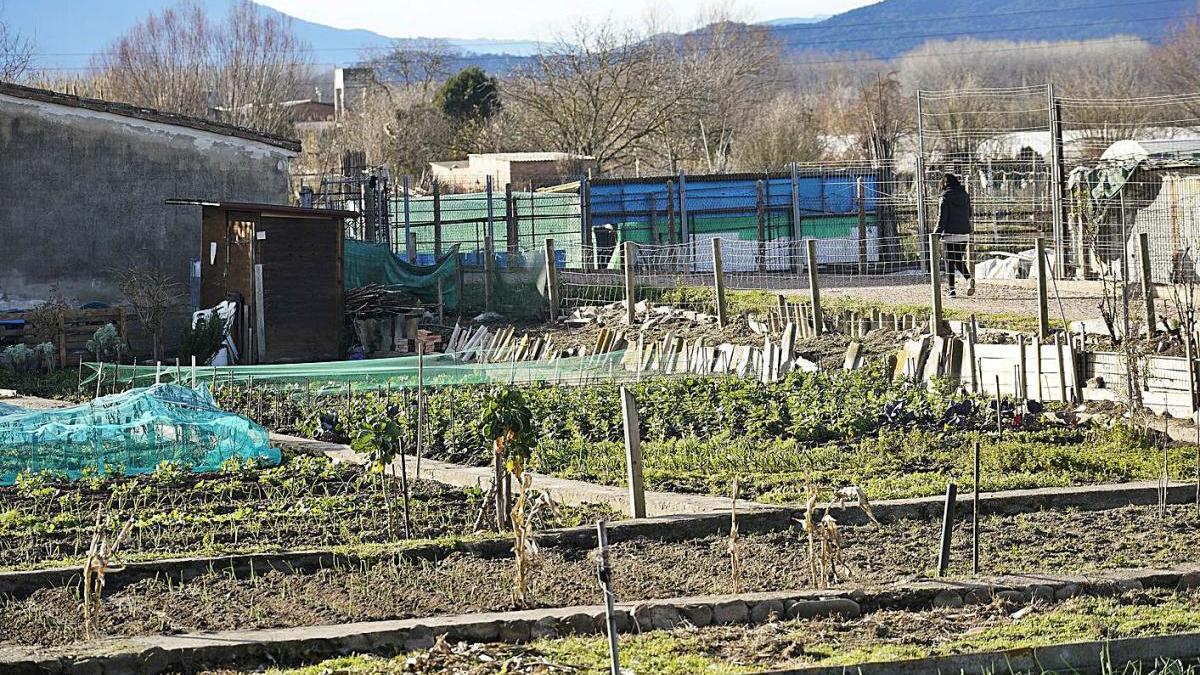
(20, 584)
(156, 654)
(1075, 657)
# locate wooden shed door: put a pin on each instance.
(302, 288)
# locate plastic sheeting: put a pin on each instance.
(370, 263)
(134, 430)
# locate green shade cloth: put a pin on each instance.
(134, 430)
(370, 263)
(369, 374)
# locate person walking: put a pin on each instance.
(954, 227)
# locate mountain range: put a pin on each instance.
(884, 29)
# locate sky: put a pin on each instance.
(531, 19)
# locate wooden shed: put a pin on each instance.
(284, 265)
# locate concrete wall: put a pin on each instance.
(84, 193)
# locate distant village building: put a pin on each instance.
(521, 169)
(350, 88)
(87, 183)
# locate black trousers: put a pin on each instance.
(956, 261)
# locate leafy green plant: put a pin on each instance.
(379, 441)
(106, 343)
(507, 422)
(202, 339)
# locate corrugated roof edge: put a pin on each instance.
(147, 114)
(804, 172)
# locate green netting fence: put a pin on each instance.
(132, 431)
(370, 374)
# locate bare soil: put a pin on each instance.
(643, 569)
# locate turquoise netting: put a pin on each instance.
(133, 431)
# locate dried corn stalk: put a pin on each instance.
(524, 516)
(735, 553)
(99, 562)
(825, 562)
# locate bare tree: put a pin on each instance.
(16, 52)
(605, 93)
(731, 70)
(782, 131)
(241, 69)
(1176, 64)
(413, 63)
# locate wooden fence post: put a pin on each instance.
(633, 455)
(814, 289)
(551, 280)
(936, 320)
(1039, 247)
(1147, 287)
(410, 248)
(719, 282)
(628, 257)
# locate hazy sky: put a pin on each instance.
(528, 19)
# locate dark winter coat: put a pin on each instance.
(954, 212)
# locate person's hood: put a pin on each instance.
(955, 195)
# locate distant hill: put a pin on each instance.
(892, 27)
(885, 29)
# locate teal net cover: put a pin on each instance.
(369, 263)
(133, 431)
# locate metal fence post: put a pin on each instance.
(437, 219)
(585, 218)
(628, 256)
(551, 280)
(922, 228)
(861, 198)
(760, 210)
(683, 209)
(491, 222)
(410, 250)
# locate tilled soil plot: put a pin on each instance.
(880, 635)
(643, 569)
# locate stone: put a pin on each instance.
(1043, 595)
(947, 599)
(154, 660)
(1067, 591)
(578, 624)
(766, 611)
(419, 637)
(665, 617)
(808, 609)
(1129, 585)
(88, 666)
(545, 627)
(1188, 581)
(475, 631)
(697, 615)
(979, 596)
(515, 632)
(1012, 597)
(731, 611)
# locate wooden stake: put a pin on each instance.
(1147, 286)
(947, 522)
(719, 282)
(975, 514)
(633, 455)
(935, 285)
(814, 287)
(1039, 245)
